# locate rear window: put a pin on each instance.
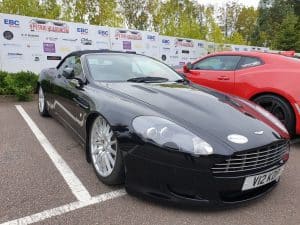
(247, 62)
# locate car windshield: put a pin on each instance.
(118, 67)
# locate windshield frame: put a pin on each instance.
(86, 56)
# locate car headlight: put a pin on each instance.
(168, 134)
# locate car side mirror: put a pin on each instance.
(68, 73)
(77, 82)
(187, 67)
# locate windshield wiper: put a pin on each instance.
(148, 79)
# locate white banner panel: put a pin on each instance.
(141, 42)
(34, 44)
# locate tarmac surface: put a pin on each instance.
(37, 186)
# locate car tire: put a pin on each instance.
(105, 153)
(42, 103)
(280, 108)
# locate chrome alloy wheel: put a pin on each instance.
(41, 100)
(103, 147)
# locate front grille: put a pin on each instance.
(251, 160)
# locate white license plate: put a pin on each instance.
(262, 179)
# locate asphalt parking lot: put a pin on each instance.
(45, 179)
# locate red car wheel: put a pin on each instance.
(279, 108)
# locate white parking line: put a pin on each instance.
(71, 179)
(65, 208)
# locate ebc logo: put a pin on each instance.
(165, 41)
(103, 33)
(151, 37)
(82, 30)
(12, 23)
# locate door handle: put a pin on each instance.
(223, 77)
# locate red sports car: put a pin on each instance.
(270, 80)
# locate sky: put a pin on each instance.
(219, 2)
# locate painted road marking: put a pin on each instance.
(65, 208)
(71, 179)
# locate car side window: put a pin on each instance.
(223, 63)
(72, 62)
(68, 63)
(247, 62)
(77, 67)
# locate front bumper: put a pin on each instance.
(181, 178)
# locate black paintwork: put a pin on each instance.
(149, 169)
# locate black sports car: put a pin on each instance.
(144, 124)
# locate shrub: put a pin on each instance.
(4, 90)
(21, 84)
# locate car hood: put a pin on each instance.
(209, 114)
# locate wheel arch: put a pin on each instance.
(38, 84)
(285, 98)
(273, 93)
(89, 120)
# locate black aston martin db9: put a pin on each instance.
(142, 123)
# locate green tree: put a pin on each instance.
(236, 38)
(246, 22)
(137, 13)
(288, 37)
(21, 7)
(97, 12)
(228, 16)
(50, 9)
(271, 14)
(182, 18)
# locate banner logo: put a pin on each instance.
(12, 23)
(82, 30)
(49, 47)
(129, 35)
(103, 33)
(184, 43)
(8, 35)
(151, 37)
(48, 26)
(86, 41)
(165, 41)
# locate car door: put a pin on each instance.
(68, 102)
(217, 72)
